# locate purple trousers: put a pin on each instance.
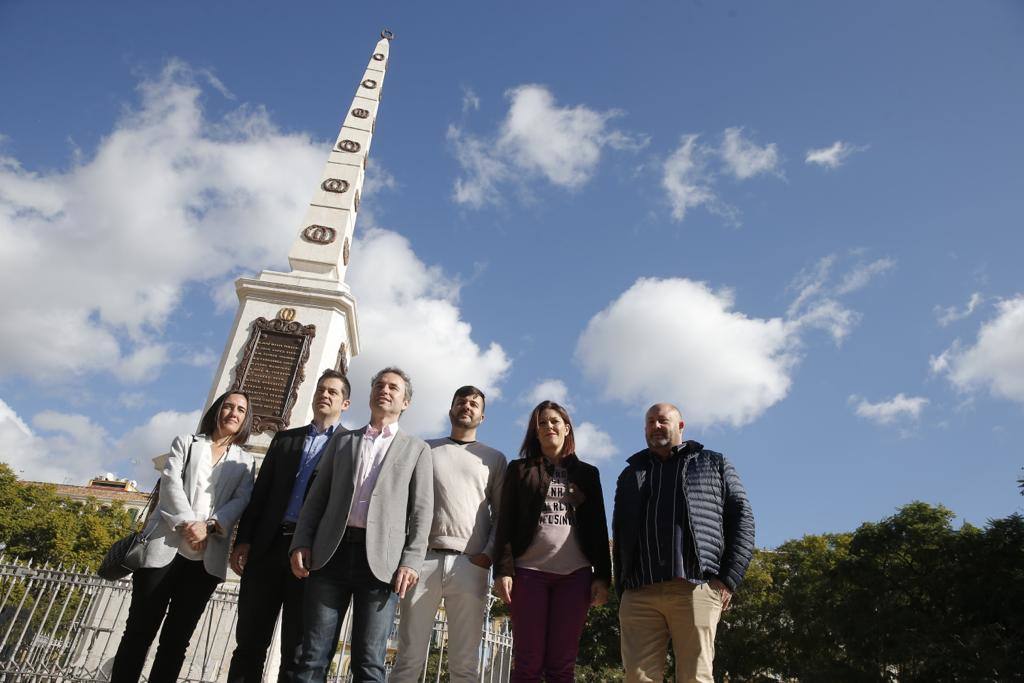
(548, 614)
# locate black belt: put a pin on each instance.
(445, 551)
(354, 534)
(286, 529)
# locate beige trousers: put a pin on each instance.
(651, 615)
(463, 585)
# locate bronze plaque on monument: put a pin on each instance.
(271, 370)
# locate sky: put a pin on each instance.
(800, 222)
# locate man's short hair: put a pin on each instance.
(470, 390)
(395, 371)
(335, 374)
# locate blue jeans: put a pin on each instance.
(346, 577)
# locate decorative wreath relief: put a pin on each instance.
(334, 185)
(319, 234)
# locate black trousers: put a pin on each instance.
(267, 585)
(178, 591)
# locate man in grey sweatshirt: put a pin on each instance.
(467, 488)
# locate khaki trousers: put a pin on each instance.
(651, 615)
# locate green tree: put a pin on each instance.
(39, 525)
(892, 593)
(781, 622)
(908, 598)
(599, 658)
(985, 589)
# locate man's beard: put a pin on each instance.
(466, 422)
(658, 441)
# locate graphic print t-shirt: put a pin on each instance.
(555, 547)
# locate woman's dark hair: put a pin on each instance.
(531, 444)
(208, 425)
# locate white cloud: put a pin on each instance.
(592, 443)
(169, 197)
(831, 316)
(483, 170)
(817, 303)
(717, 364)
(950, 314)
(561, 143)
(32, 458)
(688, 174)
(143, 364)
(897, 408)
(863, 273)
(224, 295)
(832, 156)
(409, 316)
(68, 448)
(11, 418)
(996, 359)
(538, 138)
(76, 429)
(138, 446)
(744, 159)
(201, 358)
(133, 399)
(549, 390)
(470, 100)
(681, 341)
(685, 180)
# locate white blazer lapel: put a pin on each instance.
(200, 448)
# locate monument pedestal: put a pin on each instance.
(290, 327)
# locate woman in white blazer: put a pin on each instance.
(205, 485)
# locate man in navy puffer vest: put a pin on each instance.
(683, 535)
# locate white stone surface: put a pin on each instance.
(315, 288)
(326, 304)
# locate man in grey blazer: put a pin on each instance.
(362, 533)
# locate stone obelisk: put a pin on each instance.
(292, 326)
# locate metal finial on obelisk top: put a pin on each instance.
(324, 238)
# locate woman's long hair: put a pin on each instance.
(531, 444)
(208, 425)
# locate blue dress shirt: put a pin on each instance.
(311, 450)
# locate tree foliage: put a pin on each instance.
(39, 525)
(908, 598)
(599, 658)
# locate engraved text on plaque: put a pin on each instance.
(271, 370)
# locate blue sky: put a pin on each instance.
(799, 221)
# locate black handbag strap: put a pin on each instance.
(154, 497)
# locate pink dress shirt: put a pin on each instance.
(372, 451)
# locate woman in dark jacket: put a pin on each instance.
(552, 545)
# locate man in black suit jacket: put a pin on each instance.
(265, 531)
